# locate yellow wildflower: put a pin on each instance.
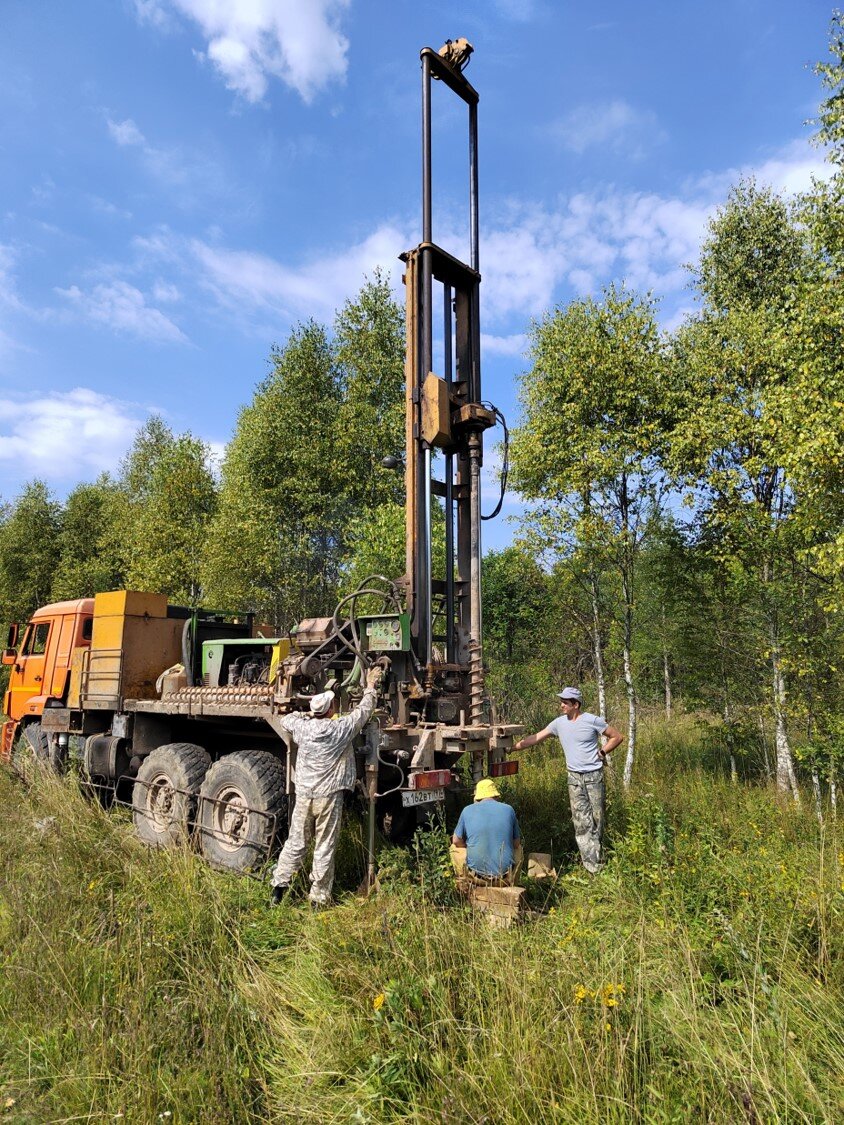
(580, 994)
(378, 1002)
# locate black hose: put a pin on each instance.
(187, 654)
(505, 462)
(337, 630)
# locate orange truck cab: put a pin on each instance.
(39, 654)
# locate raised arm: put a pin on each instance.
(533, 739)
(356, 720)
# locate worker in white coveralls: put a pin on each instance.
(586, 740)
(325, 769)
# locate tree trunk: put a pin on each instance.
(769, 775)
(628, 683)
(833, 797)
(666, 670)
(786, 779)
(816, 791)
(597, 648)
(728, 725)
(627, 563)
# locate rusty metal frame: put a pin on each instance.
(425, 264)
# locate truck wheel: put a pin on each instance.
(242, 809)
(164, 793)
(34, 745)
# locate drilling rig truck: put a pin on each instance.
(177, 710)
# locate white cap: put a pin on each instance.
(570, 693)
(321, 703)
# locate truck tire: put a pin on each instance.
(165, 791)
(34, 746)
(242, 810)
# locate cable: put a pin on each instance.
(392, 765)
(505, 463)
(389, 595)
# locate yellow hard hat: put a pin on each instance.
(486, 787)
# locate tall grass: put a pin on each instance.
(700, 977)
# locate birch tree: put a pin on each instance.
(730, 438)
(596, 406)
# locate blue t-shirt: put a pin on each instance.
(580, 739)
(489, 829)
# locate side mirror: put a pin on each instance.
(9, 656)
(12, 641)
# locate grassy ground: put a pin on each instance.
(700, 977)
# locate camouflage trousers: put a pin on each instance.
(317, 819)
(588, 797)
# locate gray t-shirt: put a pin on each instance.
(580, 739)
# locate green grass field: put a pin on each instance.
(699, 978)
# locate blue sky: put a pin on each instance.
(183, 180)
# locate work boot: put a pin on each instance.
(279, 894)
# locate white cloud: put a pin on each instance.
(791, 170)
(191, 171)
(514, 345)
(126, 133)
(9, 300)
(165, 293)
(589, 239)
(520, 11)
(251, 41)
(615, 125)
(532, 255)
(8, 295)
(106, 207)
(65, 436)
(315, 289)
(123, 308)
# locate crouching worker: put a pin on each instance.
(486, 848)
(325, 769)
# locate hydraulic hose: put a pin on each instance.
(505, 461)
(187, 654)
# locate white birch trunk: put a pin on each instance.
(597, 651)
(763, 734)
(786, 779)
(666, 671)
(816, 791)
(833, 797)
(628, 683)
(728, 723)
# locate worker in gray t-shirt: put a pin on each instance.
(586, 740)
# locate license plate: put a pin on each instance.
(412, 797)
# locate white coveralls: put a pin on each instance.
(325, 767)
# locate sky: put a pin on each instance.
(182, 181)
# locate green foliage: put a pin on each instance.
(30, 531)
(302, 476)
(91, 556)
(596, 400)
(515, 595)
(369, 350)
(168, 521)
(274, 544)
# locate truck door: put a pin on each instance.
(27, 677)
